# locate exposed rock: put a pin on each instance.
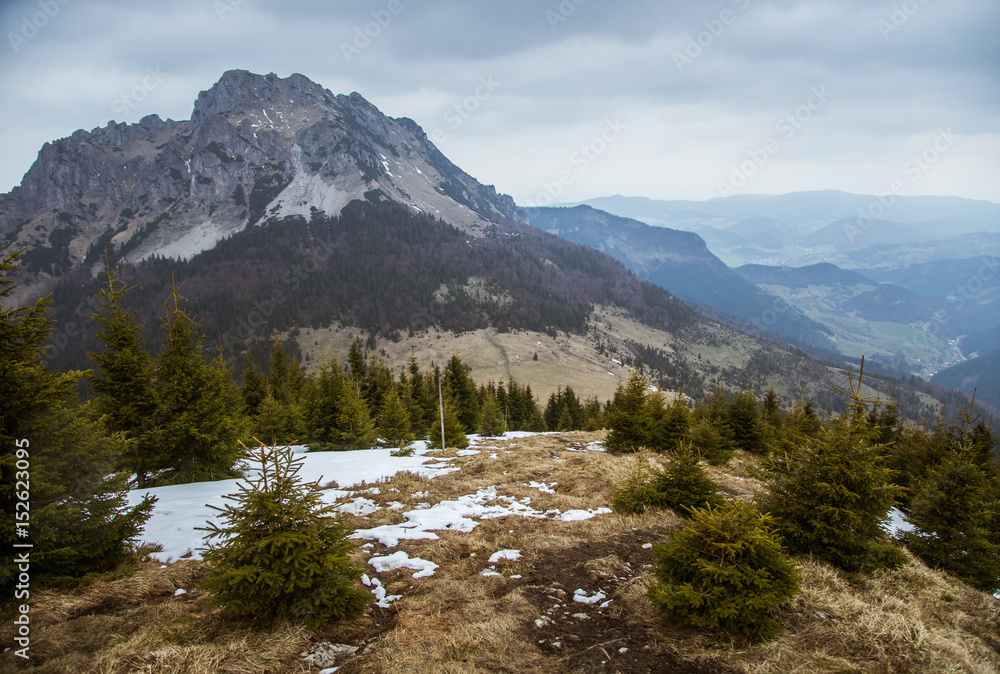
(256, 147)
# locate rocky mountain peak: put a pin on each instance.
(256, 147)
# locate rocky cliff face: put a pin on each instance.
(256, 147)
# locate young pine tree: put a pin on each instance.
(669, 423)
(254, 388)
(684, 485)
(280, 551)
(124, 381)
(745, 425)
(454, 432)
(79, 519)
(725, 570)
(956, 514)
(198, 414)
(627, 415)
(354, 426)
(393, 420)
(831, 497)
(490, 416)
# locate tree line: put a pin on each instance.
(830, 486)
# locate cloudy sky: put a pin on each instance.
(568, 99)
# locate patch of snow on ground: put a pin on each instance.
(897, 522)
(359, 506)
(578, 515)
(509, 555)
(183, 507)
(467, 452)
(400, 559)
(582, 597)
(382, 600)
(542, 487)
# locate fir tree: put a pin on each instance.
(124, 381)
(627, 415)
(357, 367)
(454, 432)
(59, 452)
(956, 513)
(744, 422)
(771, 412)
(953, 513)
(321, 407)
(490, 416)
(725, 570)
(280, 551)
(393, 420)
(354, 426)
(669, 424)
(285, 376)
(708, 442)
(254, 386)
(198, 414)
(278, 422)
(831, 497)
(463, 390)
(684, 485)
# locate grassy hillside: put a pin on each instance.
(523, 619)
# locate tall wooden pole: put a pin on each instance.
(441, 406)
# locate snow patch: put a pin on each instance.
(398, 560)
(509, 555)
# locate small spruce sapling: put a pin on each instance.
(956, 514)
(725, 570)
(280, 551)
(831, 497)
(684, 485)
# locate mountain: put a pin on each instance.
(255, 147)
(892, 325)
(801, 228)
(681, 263)
(280, 207)
(980, 375)
(822, 273)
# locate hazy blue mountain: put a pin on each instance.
(981, 375)
(681, 263)
(822, 273)
(850, 230)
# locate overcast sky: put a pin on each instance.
(572, 99)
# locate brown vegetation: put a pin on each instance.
(525, 619)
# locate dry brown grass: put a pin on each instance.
(912, 620)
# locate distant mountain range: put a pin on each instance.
(280, 206)
(681, 262)
(802, 228)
